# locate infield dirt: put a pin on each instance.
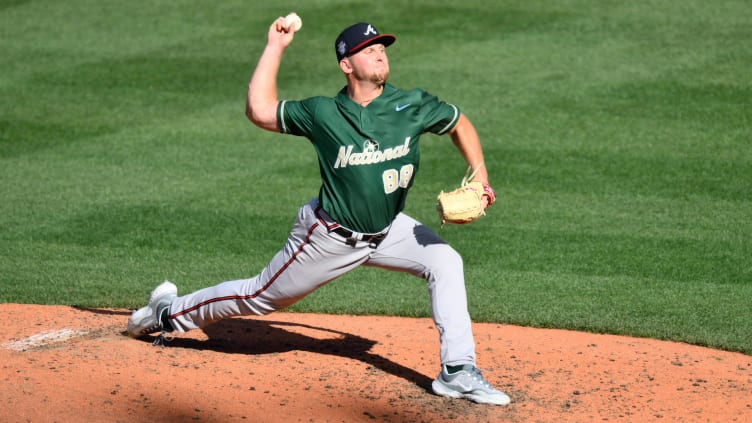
(63, 364)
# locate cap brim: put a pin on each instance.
(385, 39)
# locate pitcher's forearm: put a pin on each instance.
(261, 102)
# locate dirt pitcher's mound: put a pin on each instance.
(62, 364)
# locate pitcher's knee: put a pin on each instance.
(447, 261)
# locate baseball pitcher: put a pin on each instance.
(366, 139)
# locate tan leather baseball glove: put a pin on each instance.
(464, 204)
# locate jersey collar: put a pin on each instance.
(344, 100)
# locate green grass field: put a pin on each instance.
(617, 135)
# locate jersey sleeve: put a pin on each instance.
(296, 117)
(439, 117)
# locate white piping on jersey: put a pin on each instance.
(452, 122)
(283, 127)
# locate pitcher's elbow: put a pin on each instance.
(249, 112)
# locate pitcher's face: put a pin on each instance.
(370, 64)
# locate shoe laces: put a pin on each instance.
(477, 374)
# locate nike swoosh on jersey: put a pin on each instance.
(402, 107)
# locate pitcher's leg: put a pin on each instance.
(446, 287)
(414, 248)
(227, 299)
(309, 259)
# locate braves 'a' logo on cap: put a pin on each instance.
(370, 30)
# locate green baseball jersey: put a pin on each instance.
(368, 156)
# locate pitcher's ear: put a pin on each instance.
(345, 65)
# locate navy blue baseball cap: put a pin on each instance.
(359, 36)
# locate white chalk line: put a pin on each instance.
(43, 338)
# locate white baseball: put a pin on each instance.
(294, 20)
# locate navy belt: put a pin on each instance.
(353, 237)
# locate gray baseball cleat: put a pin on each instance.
(467, 383)
(147, 319)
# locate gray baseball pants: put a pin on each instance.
(315, 254)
